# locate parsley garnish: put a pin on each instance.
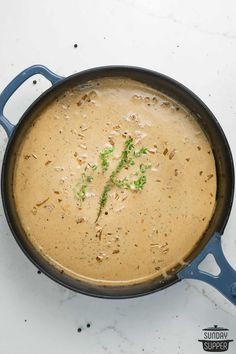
(103, 199)
(140, 182)
(81, 187)
(121, 183)
(103, 157)
(124, 162)
(142, 151)
(127, 158)
(89, 178)
(143, 168)
(80, 191)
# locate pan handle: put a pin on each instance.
(16, 83)
(225, 281)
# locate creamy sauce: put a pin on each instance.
(140, 234)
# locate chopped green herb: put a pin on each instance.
(81, 187)
(140, 182)
(121, 183)
(80, 191)
(89, 178)
(103, 157)
(143, 168)
(129, 146)
(124, 162)
(129, 143)
(131, 163)
(142, 151)
(126, 159)
(103, 199)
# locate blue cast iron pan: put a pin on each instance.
(210, 242)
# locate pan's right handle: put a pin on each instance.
(16, 83)
(225, 281)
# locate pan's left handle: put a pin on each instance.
(17, 82)
(225, 281)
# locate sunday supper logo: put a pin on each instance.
(215, 339)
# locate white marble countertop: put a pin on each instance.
(193, 42)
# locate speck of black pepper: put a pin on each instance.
(79, 330)
(34, 82)
(25, 320)
(75, 45)
(39, 272)
(106, 212)
(88, 325)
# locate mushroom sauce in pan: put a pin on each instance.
(114, 182)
